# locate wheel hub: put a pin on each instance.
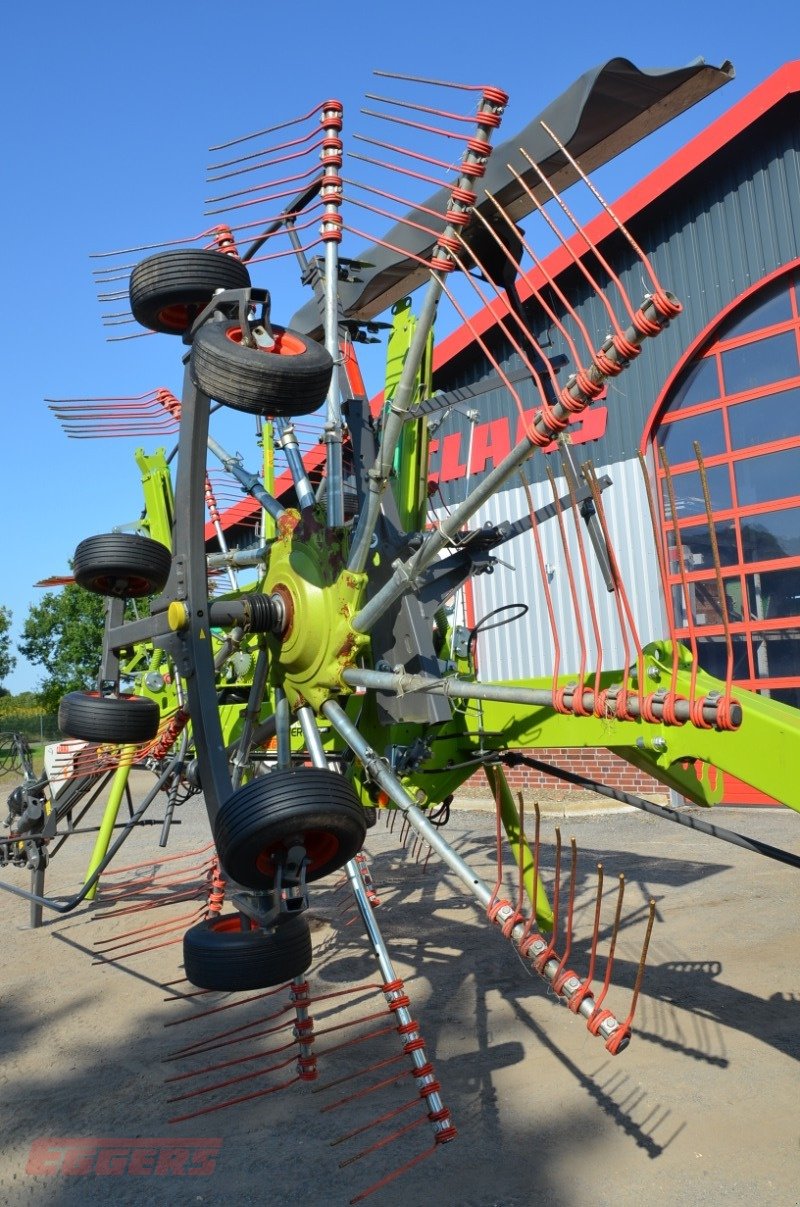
(307, 571)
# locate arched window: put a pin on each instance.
(738, 398)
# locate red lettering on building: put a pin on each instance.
(451, 466)
(490, 442)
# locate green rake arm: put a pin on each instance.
(762, 749)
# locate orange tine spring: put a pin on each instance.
(568, 247)
(577, 998)
(623, 1031)
(553, 285)
(545, 955)
(596, 193)
(501, 319)
(561, 975)
(522, 845)
(530, 925)
(600, 997)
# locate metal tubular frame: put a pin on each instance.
(378, 771)
(378, 476)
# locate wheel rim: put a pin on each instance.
(178, 317)
(285, 344)
(321, 847)
(127, 584)
(231, 925)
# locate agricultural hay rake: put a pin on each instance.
(322, 672)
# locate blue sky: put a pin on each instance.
(108, 112)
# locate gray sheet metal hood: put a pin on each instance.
(604, 112)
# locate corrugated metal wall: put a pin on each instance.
(525, 647)
(731, 222)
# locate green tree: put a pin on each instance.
(64, 635)
(7, 659)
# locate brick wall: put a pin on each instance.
(597, 764)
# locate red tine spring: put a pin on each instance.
(394, 167)
(487, 118)
(499, 302)
(216, 890)
(447, 165)
(563, 973)
(422, 126)
(614, 1042)
(133, 415)
(271, 184)
(545, 955)
(293, 142)
(441, 215)
(283, 216)
(496, 95)
(293, 121)
(598, 1014)
(172, 731)
(224, 241)
(331, 183)
(126, 251)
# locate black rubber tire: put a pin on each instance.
(292, 379)
(218, 954)
(121, 564)
(120, 719)
(168, 291)
(309, 804)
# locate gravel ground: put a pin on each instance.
(700, 1109)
